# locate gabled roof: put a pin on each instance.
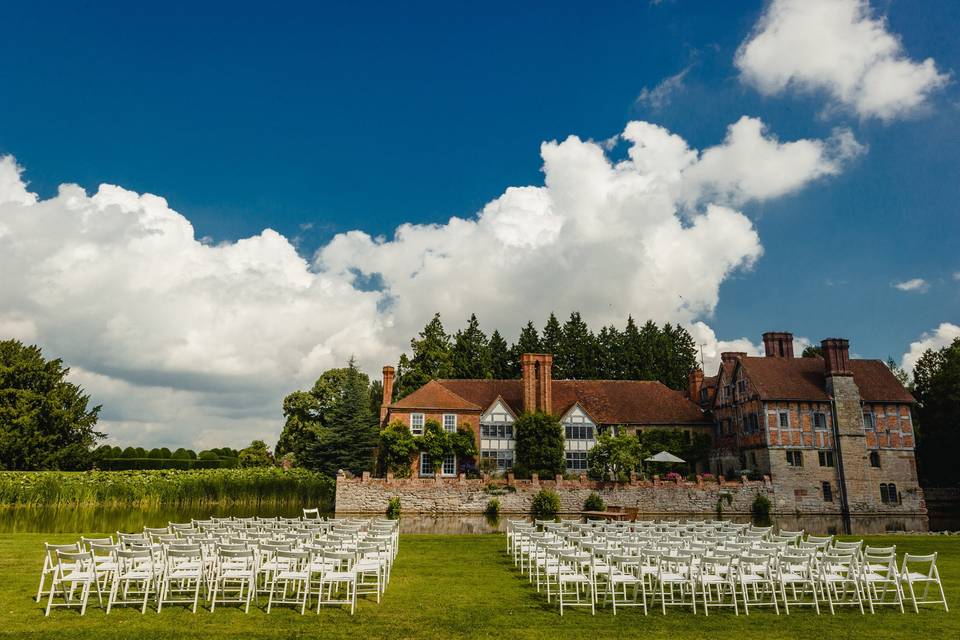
(434, 395)
(607, 401)
(804, 379)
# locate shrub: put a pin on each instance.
(761, 510)
(594, 503)
(539, 445)
(397, 446)
(493, 508)
(546, 504)
(673, 476)
(393, 508)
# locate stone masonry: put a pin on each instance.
(462, 496)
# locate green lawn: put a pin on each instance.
(452, 587)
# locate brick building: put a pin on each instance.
(585, 408)
(834, 434)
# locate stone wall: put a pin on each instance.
(459, 495)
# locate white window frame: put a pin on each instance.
(450, 462)
(579, 455)
(813, 419)
(414, 429)
(454, 417)
(873, 421)
(780, 414)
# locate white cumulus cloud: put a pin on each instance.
(942, 336)
(185, 342)
(916, 285)
(841, 47)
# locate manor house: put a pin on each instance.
(833, 432)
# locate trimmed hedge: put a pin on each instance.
(135, 464)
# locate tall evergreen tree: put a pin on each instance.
(348, 435)
(528, 342)
(575, 355)
(45, 422)
(681, 356)
(650, 345)
(609, 354)
(470, 354)
(936, 379)
(431, 358)
(500, 357)
(550, 341)
(631, 352)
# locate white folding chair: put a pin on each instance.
(675, 582)
(624, 576)
(839, 579)
(880, 578)
(50, 562)
(292, 576)
(795, 574)
(911, 574)
(717, 586)
(338, 578)
(135, 573)
(183, 575)
(757, 579)
(234, 578)
(73, 568)
(575, 580)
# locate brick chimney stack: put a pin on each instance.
(388, 373)
(836, 357)
(778, 344)
(731, 356)
(537, 375)
(694, 384)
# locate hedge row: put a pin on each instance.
(134, 464)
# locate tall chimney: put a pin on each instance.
(836, 357)
(778, 344)
(388, 373)
(694, 384)
(731, 356)
(537, 376)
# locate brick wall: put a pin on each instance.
(459, 495)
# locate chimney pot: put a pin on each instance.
(778, 344)
(732, 356)
(388, 374)
(537, 376)
(694, 384)
(836, 357)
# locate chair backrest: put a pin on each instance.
(928, 562)
(82, 562)
(85, 542)
(311, 514)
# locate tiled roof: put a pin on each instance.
(804, 379)
(607, 401)
(434, 395)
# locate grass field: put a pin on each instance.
(453, 587)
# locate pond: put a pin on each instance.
(76, 520)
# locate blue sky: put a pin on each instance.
(316, 120)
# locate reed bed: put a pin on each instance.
(145, 488)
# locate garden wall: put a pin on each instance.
(459, 495)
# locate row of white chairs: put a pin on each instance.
(714, 564)
(290, 561)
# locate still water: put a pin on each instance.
(78, 520)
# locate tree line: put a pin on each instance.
(649, 352)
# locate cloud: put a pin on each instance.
(662, 94)
(185, 342)
(942, 336)
(842, 48)
(751, 165)
(956, 275)
(916, 285)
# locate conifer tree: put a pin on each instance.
(631, 356)
(550, 341)
(609, 354)
(500, 367)
(575, 355)
(470, 354)
(431, 358)
(528, 342)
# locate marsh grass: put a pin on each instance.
(165, 487)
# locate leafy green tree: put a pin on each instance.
(155, 454)
(255, 455)
(376, 397)
(303, 415)
(692, 448)
(614, 457)
(470, 353)
(431, 359)
(576, 352)
(812, 351)
(539, 445)
(44, 420)
(936, 379)
(396, 449)
(528, 342)
(500, 367)
(346, 435)
(436, 443)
